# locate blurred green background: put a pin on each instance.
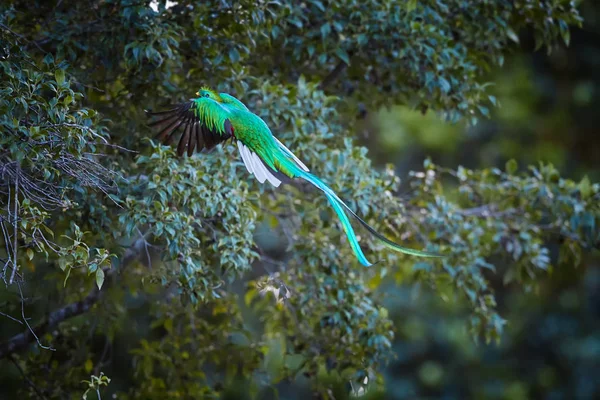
(549, 111)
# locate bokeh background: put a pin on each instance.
(549, 111)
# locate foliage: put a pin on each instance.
(498, 215)
(47, 142)
(94, 384)
(205, 283)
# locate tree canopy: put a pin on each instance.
(202, 281)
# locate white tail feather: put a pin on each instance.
(292, 155)
(255, 165)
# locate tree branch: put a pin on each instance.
(16, 228)
(9, 317)
(21, 340)
(27, 323)
(26, 379)
(6, 28)
(488, 210)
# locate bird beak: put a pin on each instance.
(197, 93)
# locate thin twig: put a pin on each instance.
(27, 323)
(10, 317)
(22, 339)
(115, 146)
(487, 210)
(6, 243)
(102, 356)
(81, 127)
(26, 379)
(143, 238)
(7, 238)
(54, 247)
(21, 36)
(38, 191)
(16, 226)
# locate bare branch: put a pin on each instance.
(10, 317)
(6, 236)
(26, 379)
(146, 244)
(25, 319)
(51, 245)
(81, 127)
(6, 28)
(487, 211)
(16, 228)
(21, 340)
(40, 192)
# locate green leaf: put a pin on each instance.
(99, 278)
(444, 84)
(343, 55)
(585, 188)
(59, 75)
(234, 55)
(88, 366)
(325, 30)
(67, 277)
(249, 296)
(48, 59)
(93, 267)
(62, 263)
(319, 5)
(168, 325)
(511, 166)
(512, 35)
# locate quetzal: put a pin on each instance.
(212, 118)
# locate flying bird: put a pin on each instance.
(212, 118)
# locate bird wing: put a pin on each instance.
(202, 123)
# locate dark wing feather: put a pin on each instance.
(192, 139)
(198, 133)
(183, 142)
(181, 121)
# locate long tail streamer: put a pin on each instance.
(337, 205)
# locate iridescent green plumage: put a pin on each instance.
(215, 117)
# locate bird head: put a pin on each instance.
(209, 93)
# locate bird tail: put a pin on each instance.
(338, 206)
(347, 228)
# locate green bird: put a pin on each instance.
(212, 118)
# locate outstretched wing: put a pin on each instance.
(200, 124)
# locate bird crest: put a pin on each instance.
(208, 92)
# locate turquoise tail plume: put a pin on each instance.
(348, 229)
(337, 205)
